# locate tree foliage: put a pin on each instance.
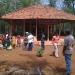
(69, 6)
(7, 6)
(29, 2)
(52, 3)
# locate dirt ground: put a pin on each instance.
(49, 65)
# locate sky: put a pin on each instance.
(59, 3)
(44, 1)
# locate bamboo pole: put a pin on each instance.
(48, 33)
(24, 28)
(36, 28)
(11, 28)
(60, 28)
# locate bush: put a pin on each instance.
(39, 52)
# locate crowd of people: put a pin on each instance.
(10, 42)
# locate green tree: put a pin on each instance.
(29, 2)
(7, 6)
(52, 3)
(69, 6)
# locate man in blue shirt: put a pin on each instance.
(68, 50)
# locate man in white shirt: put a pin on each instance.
(30, 41)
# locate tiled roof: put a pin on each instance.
(39, 12)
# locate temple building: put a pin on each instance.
(37, 19)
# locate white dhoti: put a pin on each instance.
(56, 49)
